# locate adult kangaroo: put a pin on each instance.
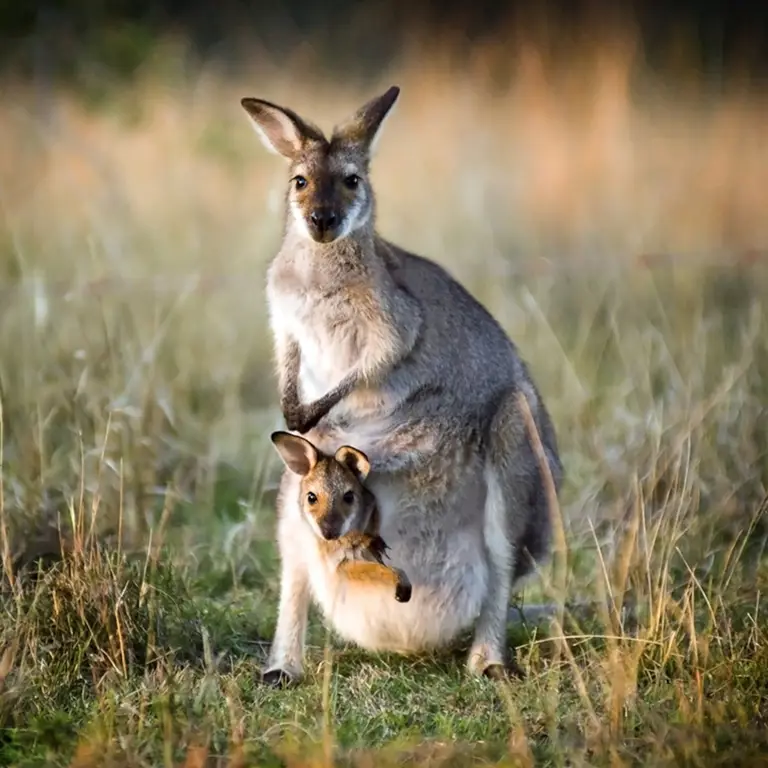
(383, 350)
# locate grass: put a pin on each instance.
(139, 580)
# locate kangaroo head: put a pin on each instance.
(329, 193)
(332, 493)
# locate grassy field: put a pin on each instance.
(612, 222)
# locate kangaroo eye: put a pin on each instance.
(349, 497)
(299, 181)
(351, 181)
(311, 498)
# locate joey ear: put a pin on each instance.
(364, 127)
(354, 460)
(298, 454)
(281, 130)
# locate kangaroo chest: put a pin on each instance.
(327, 340)
(327, 322)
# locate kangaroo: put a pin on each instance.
(342, 515)
(340, 510)
(382, 349)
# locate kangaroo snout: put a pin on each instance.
(323, 224)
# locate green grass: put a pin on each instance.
(136, 664)
(137, 394)
(149, 654)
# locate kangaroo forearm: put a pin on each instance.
(289, 362)
(305, 417)
(297, 417)
(319, 408)
(384, 350)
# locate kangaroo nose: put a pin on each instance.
(322, 221)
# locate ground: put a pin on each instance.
(137, 394)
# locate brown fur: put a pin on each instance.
(344, 512)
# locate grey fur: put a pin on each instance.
(383, 350)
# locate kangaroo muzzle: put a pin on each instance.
(323, 225)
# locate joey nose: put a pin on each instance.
(330, 531)
(323, 221)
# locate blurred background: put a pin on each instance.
(595, 173)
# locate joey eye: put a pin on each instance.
(299, 182)
(351, 181)
(349, 497)
(311, 498)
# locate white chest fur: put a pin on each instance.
(327, 336)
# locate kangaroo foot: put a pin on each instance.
(278, 678)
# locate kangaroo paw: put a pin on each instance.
(504, 671)
(278, 678)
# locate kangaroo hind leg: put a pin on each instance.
(513, 522)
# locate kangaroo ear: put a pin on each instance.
(298, 454)
(354, 460)
(281, 130)
(364, 127)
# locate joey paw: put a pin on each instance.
(277, 678)
(403, 593)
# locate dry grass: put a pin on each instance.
(136, 393)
